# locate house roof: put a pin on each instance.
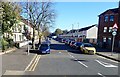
(115, 10)
(82, 29)
(86, 28)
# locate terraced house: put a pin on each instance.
(19, 32)
(106, 21)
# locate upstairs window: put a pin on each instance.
(111, 17)
(105, 29)
(106, 18)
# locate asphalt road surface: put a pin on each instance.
(64, 60)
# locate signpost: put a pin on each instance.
(115, 27)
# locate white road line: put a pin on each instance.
(60, 52)
(72, 56)
(108, 59)
(68, 53)
(83, 64)
(101, 75)
(105, 64)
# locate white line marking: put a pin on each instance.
(68, 53)
(72, 56)
(83, 64)
(101, 75)
(108, 59)
(105, 64)
(75, 59)
(60, 52)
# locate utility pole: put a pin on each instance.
(78, 30)
(28, 39)
(72, 29)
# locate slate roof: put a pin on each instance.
(86, 28)
(82, 29)
(115, 10)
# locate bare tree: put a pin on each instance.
(39, 14)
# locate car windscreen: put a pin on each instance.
(79, 44)
(88, 45)
(44, 46)
(73, 42)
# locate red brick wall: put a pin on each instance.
(102, 24)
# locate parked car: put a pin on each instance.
(66, 42)
(72, 43)
(88, 48)
(44, 48)
(63, 40)
(77, 45)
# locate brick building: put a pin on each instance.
(106, 21)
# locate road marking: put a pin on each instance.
(30, 63)
(82, 64)
(36, 62)
(60, 52)
(105, 64)
(32, 68)
(72, 56)
(14, 72)
(101, 75)
(108, 59)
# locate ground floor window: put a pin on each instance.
(109, 41)
(104, 39)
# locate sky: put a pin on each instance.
(79, 13)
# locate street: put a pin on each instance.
(64, 60)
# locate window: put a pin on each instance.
(109, 41)
(105, 29)
(111, 18)
(110, 29)
(104, 39)
(106, 18)
(20, 37)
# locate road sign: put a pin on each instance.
(114, 33)
(115, 26)
(114, 29)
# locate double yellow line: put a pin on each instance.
(33, 63)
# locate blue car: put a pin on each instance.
(44, 48)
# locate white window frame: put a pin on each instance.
(104, 39)
(112, 19)
(105, 29)
(110, 29)
(106, 18)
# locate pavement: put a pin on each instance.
(108, 54)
